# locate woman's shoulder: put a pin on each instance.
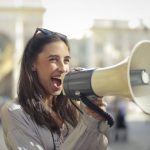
(14, 117)
(13, 111)
(11, 106)
(12, 103)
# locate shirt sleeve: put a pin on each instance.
(89, 134)
(18, 133)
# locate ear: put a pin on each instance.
(33, 67)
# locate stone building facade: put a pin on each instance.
(107, 42)
(18, 20)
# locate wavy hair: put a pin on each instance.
(31, 94)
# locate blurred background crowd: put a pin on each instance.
(101, 33)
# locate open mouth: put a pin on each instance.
(56, 81)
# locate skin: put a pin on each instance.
(50, 64)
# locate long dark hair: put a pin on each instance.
(31, 94)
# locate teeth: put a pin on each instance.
(56, 77)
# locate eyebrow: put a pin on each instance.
(58, 56)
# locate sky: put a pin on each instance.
(75, 17)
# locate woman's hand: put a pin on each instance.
(100, 103)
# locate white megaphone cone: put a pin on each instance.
(130, 79)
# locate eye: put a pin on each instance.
(66, 60)
(53, 59)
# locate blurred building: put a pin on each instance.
(18, 20)
(108, 42)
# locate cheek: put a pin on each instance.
(44, 73)
(43, 76)
(68, 68)
(46, 69)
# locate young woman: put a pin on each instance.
(42, 118)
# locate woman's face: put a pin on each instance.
(50, 64)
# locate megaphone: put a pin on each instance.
(129, 78)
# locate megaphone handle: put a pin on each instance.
(94, 107)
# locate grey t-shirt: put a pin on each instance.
(22, 133)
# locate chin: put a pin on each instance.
(56, 93)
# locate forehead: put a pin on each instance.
(56, 48)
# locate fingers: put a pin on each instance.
(77, 69)
(93, 114)
(100, 103)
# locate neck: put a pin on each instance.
(48, 102)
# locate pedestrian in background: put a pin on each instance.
(121, 128)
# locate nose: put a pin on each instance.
(62, 67)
